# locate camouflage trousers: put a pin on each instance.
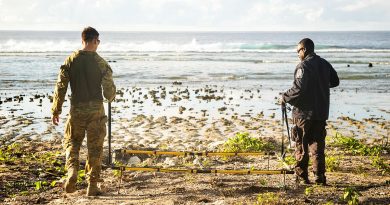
(309, 136)
(91, 122)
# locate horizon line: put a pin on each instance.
(167, 31)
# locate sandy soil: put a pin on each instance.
(195, 130)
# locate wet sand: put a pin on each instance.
(180, 118)
(175, 116)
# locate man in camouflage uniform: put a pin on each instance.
(310, 97)
(89, 76)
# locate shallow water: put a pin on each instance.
(232, 63)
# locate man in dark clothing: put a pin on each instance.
(310, 97)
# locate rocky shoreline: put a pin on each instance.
(184, 119)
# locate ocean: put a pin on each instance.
(234, 61)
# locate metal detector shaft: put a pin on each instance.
(109, 134)
(288, 128)
(282, 154)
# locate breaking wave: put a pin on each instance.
(42, 46)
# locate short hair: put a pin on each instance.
(89, 34)
(308, 44)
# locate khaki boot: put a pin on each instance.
(70, 184)
(93, 189)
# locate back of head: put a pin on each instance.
(308, 44)
(89, 34)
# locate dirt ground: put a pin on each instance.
(187, 188)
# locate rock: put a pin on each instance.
(182, 109)
(148, 161)
(170, 161)
(219, 202)
(161, 120)
(197, 162)
(134, 160)
(176, 120)
(176, 98)
(221, 109)
(215, 145)
(370, 65)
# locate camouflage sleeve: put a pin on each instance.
(60, 89)
(108, 85)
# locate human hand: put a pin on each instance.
(280, 101)
(55, 119)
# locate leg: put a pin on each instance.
(95, 137)
(74, 135)
(317, 149)
(301, 149)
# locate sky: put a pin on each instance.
(196, 15)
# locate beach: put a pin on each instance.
(192, 92)
(199, 120)
(177, 116)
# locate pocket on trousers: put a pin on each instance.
(296, 134)
(104, 119)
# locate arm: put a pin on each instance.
(293, 94)
(108, 85)
(334, 78)
(59, 92)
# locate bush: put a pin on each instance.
(351, 196)
(268, 198)
(242, 142)
(379, 163)
(290, 160)
(355, 146)
(332, 163)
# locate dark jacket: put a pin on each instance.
(310, 91)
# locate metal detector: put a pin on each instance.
(285, 120)
(109, 134)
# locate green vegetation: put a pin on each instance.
(290, 160)
(242, 142)
(355, 146)
(268, 198)
(329, 203)
(380, 164)
(117, 172)
(263, 182)
(351, 196)
(80, 175)
(31, 170)
(332, 163)
(309, 191)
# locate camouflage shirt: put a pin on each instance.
(89, 75)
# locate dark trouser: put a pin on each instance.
(309, 136)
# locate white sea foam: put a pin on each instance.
(12, 45)
(15, 46)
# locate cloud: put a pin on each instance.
(313, 15)
(283, 12)
(362, 4)
(153, 5)
(195, 14)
